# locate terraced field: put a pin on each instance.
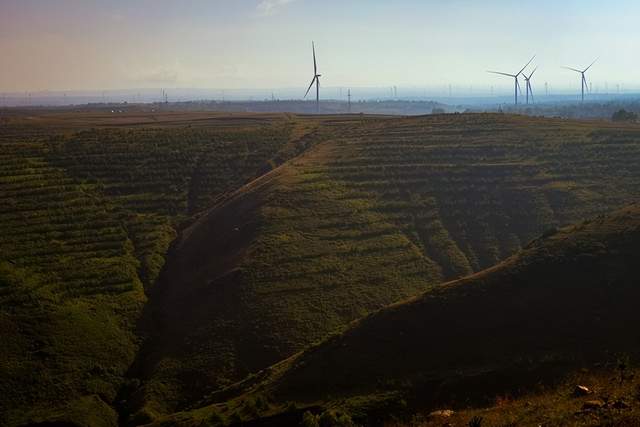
(470, 191)
(87, 216)
(284, 229)
(377, 212)
(509, 343)
(269, 272)
(69, 289)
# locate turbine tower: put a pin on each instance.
(316, 79)
(583, 80)
(528, 88)
(515, 77)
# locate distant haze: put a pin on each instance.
(96, 45)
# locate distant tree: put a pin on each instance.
(310, 420)
(624, 116)
(335, 419)
(550, 232)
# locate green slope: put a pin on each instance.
(564, 302)
(375, 212)
(266, 274)
(472, 189)
(568, 298)
(371, 211)
(86, 217)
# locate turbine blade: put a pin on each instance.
(502, 74)
(533, 72)
(518, 86)
(315, 65)
(531, 60)
(586, 84)
(586, 69)
(572, 69)
(311, 85)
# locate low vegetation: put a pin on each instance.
(149, 261)
(374, 213)
(87, 218)
(507, 346)
(624, 116)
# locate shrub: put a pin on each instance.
(550, 232)
(624, 116)
(310, 420)
(214, 419)
(335, 419)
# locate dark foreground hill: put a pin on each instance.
(564, 302)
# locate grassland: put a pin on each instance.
(278, 272)
(88, 211)
(514, 339)
(278, 230)
(375, 212)
(556, 405)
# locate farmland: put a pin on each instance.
(147, 260)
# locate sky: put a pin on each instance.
(126, 44)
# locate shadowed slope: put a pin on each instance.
(377, 211)
(381, 209)
(86, 217)
(565, 300)
(280, 265)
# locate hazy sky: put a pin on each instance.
(117, 44)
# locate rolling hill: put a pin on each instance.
(566, 301)
(89, 206)
(148, 260)
(373, 213)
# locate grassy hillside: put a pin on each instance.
(266, 274)
(565, 302)
(375, 212)
(88, 209)
(472, 189)
(288, 228)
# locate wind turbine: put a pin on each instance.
(584, 79)
(528, 88)
(515, 77)
(316, 79)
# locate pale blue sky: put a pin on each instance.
(92, 44)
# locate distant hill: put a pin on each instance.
(385, 106)
(275, 106)
(566, 301)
